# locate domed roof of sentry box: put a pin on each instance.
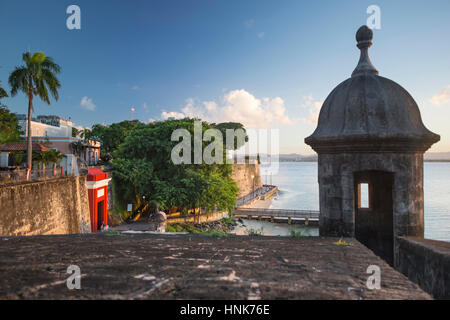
(370, 113)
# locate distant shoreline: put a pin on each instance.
(445, 160)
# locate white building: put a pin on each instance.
(58, 133)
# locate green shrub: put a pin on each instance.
(255, 232)
(215, 234)
(169, 228)
(342, 242)
(298, 233)
(113, 233)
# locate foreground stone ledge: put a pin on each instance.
(427, 263)
(149, 266)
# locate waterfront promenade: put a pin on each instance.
(261, 194)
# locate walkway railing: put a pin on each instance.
(257, 194)
(277, 213)
(20, 175)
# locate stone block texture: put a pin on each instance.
(57, 206)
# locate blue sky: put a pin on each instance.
(227, 60)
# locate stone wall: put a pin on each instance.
(57, 206)
(427, 263)
(337, 191)
(242, 175)
(336, 188)
(213, 216)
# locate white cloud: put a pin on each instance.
(249, 23)
(260, 35)
(135, 88)
(314, 109)
(442, 97)
(176, 115)
(236, 106)
(86, 103)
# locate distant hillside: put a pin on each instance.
(295, 157)
(437, 156)
(429, 156)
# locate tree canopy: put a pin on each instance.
(110, 136)
(75, 132)
(3, 93)
(143, 167)
(235, 126)
(9, 126)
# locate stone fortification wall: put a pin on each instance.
(57, 206)
(243, 173)
(427, 263)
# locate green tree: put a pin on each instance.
(9, 126)
(35, 78)
(235, 126)
(143, 167)
(110, 136)
(46, 157)
(20, 157)
(3, 93)
(54, 157)
(75, 132)
(113, 135)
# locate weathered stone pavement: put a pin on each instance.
(146, 266)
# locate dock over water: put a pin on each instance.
(305, 216)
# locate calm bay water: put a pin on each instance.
(299, 189)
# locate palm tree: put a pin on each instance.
(3, 93)
(55, 157)
(35, 78)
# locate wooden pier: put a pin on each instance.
(305, 216)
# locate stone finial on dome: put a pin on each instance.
(364, 37)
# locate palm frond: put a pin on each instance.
(26, 57)
(18, 80)
(49, 64)
(3, 93)
(38, 57)
(52, 82)
(41, 90)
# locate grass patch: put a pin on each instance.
(228, 220)
(196, 229)
(255, 232)
(215, 234)
(342, 242)
(170, 228)
(215, 228)
(113, 233)
(299, 233)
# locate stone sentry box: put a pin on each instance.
(97, 184)
(370, 131)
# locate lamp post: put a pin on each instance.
(253, 185)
